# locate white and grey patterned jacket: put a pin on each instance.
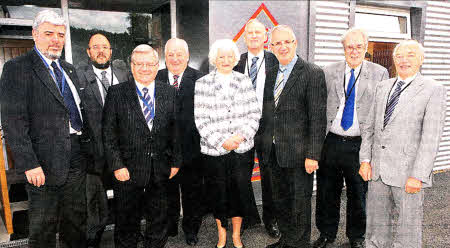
(221, 112)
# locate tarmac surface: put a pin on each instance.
(436, 225)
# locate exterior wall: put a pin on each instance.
(437, 64)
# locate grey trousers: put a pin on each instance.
(383, 201)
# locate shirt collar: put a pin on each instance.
(407, 80)
(291, 64)
(259, 55)
(99, 71)
(171, 76)
(357, 69)
(47, 60)
(150, 87)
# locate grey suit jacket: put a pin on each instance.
(408, 145)
(370, 75)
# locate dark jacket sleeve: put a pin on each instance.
(317, 109)
(15, 116)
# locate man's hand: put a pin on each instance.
(36, 176)
(365, 170)
(230, 144)
(122, 174)
(173, 172)
(311, 165)
(413, 185)
(238, 138)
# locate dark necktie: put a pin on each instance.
(105, 82)
(254, 71)
(175, 81)
(149, 111)
(393, 100)
(347, 114)
(74, 115)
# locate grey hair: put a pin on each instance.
(256, 21)
(281, 27)
(410, 42)
(177, 40)
(226, 44)
(144, 48)
(355, 30)
(50, 17)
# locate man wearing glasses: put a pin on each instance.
(139, 137)
(96, 78)
(351, 87)
(291, 134)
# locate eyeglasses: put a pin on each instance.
(409, 56)
(140, 65)
(281, 42)
(357, 48)
(99, 47)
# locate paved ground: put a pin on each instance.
(436, 223)
(436, 232)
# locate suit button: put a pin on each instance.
(382, 147)
(337, 107)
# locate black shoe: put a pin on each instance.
(275, 245)
(273, 231)
(322, 242)
(191, 239)
(357, 244)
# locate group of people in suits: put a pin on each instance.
(155, 136)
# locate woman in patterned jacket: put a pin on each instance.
(227, 117)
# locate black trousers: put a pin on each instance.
(229, 182)
(340, 161)
(131, 201)
(60, 209)
(292, 197)
(190, 180)
(268, 207)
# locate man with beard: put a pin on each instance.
(96, 78)
(182, 77)
(43, 121)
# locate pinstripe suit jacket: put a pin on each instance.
(128, 142)
(299, 120)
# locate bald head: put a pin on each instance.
(177, 55)
(99, 51)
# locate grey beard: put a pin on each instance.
(52, 56)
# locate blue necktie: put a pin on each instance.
(74, 115)
(253, 71)
(149, 113)
(347, 115)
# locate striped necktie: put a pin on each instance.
(149, 110)
(254, 71)
(393, 100)
(279, 84)
(105, 83)
(175, 81)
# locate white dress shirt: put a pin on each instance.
(171, 80)
(71, 86)
(260, 77)
(109, 75)
(151, 92)
(336, 125)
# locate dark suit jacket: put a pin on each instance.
(127, 140)
(93, 104)
(190, 138)
(298, 122)
(35, 118)
(269, 58)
